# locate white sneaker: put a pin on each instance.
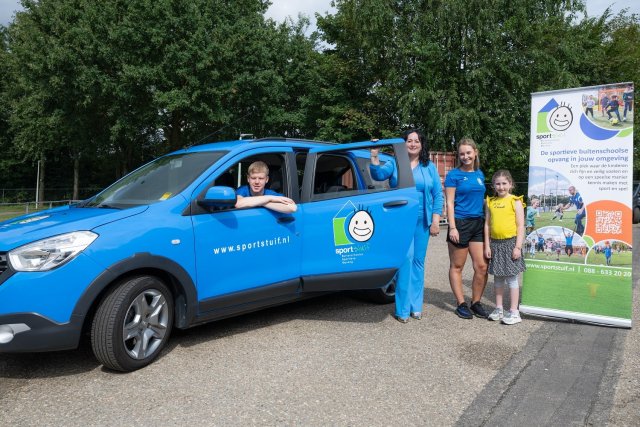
(496, 314)
(511, 318)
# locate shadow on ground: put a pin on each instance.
(337, 307)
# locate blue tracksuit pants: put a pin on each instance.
(410, 280)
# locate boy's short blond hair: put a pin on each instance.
(258, 167)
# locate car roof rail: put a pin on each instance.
(285, 139)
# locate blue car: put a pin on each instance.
(165, 247)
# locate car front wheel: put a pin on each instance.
(132, 323)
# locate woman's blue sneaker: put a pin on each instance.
(463, 311)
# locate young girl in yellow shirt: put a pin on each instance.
(503, 239)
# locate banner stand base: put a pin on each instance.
(580, 317)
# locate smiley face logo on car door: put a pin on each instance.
(361, 225)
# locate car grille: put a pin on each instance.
(3, 262)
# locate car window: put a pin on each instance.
(236, 176)
(334, 173)
(347, 173)
(156, 181)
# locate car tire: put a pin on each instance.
(636, 215)
(141, 305)
(384, 295)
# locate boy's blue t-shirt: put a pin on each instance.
(470, 190)
(245, 192)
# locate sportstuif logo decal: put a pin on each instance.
(352, 227)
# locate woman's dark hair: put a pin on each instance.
(424, 152)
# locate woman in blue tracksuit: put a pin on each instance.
(410, 280)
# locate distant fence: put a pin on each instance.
(22, 200)
(8, 210)
(28, 195)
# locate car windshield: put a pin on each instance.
(156, 181)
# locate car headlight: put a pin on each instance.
(50, 253)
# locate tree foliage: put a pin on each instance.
(127, 80)
(457, 68)
(100, 87)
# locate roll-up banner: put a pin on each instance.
(578, 248)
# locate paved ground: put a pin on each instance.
(337, 360)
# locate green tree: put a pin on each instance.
(455, 68)
(621, 63)
(100, 87)
(360, 85)
(126, 80)
(52, 113)
(11, 170)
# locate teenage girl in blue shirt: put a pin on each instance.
(464, 190)
(410, 280)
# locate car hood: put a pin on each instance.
(40, 225)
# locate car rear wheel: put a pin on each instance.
(384, 295)
(636, 215)
(132, 324)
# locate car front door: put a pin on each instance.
(248, 256)
(357, 230)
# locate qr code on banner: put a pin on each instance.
(609, 222)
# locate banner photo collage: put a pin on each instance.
(578, 246)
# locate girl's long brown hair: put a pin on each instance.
(471, 143)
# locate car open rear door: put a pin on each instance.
(357, 231)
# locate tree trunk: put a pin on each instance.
(76, 177)
(175, 132)
(41, 169)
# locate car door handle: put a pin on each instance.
(395, 203)
(286, 219)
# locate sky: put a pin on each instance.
(281, 9)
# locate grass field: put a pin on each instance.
(7, 212)
(622, 259)
(545, 219)
(601, 291)
(4, 215)
(574, 259)
(603, 122)
(14, 210)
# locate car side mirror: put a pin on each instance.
(219, 197)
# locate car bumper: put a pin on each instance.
(29, 332)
